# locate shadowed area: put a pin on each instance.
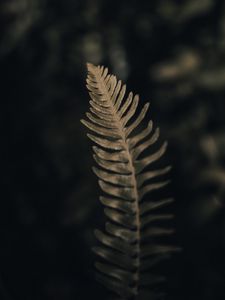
(169, 52)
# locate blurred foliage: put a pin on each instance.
(169, 51)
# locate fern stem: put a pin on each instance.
(104, 90)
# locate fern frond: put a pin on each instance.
(127, 250)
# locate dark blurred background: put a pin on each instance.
(170, 52)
